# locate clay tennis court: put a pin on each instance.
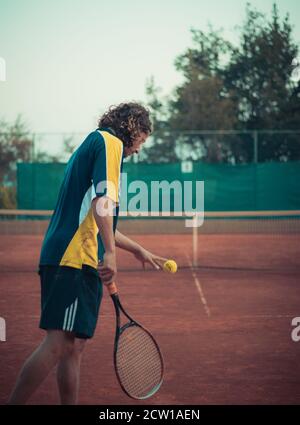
(224, 328)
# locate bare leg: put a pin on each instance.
(37, 367)
(68, 373)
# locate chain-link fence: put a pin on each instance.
(222, 146)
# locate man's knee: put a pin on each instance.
(78, 347)
(60, 343)
(74, 347)
(65, 344)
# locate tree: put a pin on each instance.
(248, 87)
(15, 145)
(259, 73)
(259, 77)
(161, 146)
(199, 103)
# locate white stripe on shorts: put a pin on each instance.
(74, 314)
(70, 314)
(70, 317)
(66, 318)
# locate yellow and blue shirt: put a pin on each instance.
(94, 170)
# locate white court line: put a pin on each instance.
(199, 288)
(267, 316)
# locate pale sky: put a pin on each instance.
(68, 60)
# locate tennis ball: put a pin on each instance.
(170, 266)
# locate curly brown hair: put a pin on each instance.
(127, 121)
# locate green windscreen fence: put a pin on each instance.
(265, 186)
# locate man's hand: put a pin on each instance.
(108, 268)
(145, 256)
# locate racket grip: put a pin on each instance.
(112, 288)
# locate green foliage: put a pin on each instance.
(248, 87)
(206, 59)
(161, 147)
(259, 73)
(15, 145)
(8, 197)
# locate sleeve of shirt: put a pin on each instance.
(106, 174)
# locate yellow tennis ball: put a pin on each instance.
(170, 266)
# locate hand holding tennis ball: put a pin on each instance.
(170, 266)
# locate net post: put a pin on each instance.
(195, 241)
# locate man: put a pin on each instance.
(79, 250)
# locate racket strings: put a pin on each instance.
(138, 362)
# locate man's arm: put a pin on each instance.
(139, 252)
(102, 210)
(124, 242)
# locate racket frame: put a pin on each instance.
(119, 330)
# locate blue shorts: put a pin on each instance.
(70, 299)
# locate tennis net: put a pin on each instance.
(259, 240)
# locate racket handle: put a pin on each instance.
(112, 288)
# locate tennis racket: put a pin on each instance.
(138, 361)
